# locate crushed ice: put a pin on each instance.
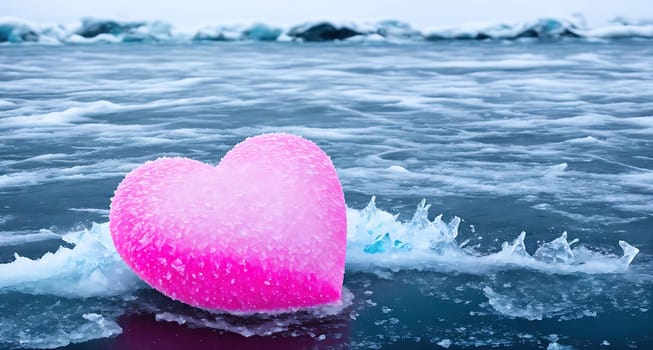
(377, 239)
(91, 268)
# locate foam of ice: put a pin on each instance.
(100, 170)
(68, 116)
(602, 219)
(454, 177)
(103, 212)
(80, 112)
(16, 238)
(6, 103)
(454, 147)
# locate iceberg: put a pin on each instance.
(17, 31)
(545, 28)
(323, 31)
(124, 31)
(254, 32)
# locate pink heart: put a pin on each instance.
(264, 230)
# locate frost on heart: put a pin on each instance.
(181, 225)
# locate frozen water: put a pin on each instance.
(557, 251)
(542, 135)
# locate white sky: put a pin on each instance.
(419, 13)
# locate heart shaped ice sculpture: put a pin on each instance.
(265, 230)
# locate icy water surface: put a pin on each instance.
(551, 138)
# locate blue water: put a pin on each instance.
(544, 137)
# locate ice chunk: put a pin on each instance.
(629, 252)
(323, 31)
(505, 306)
(557, 346)
(383, 243)
(517, 247)
(91, 268)
(556, 251)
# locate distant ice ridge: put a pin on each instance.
(90, 30)
(377, 240)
